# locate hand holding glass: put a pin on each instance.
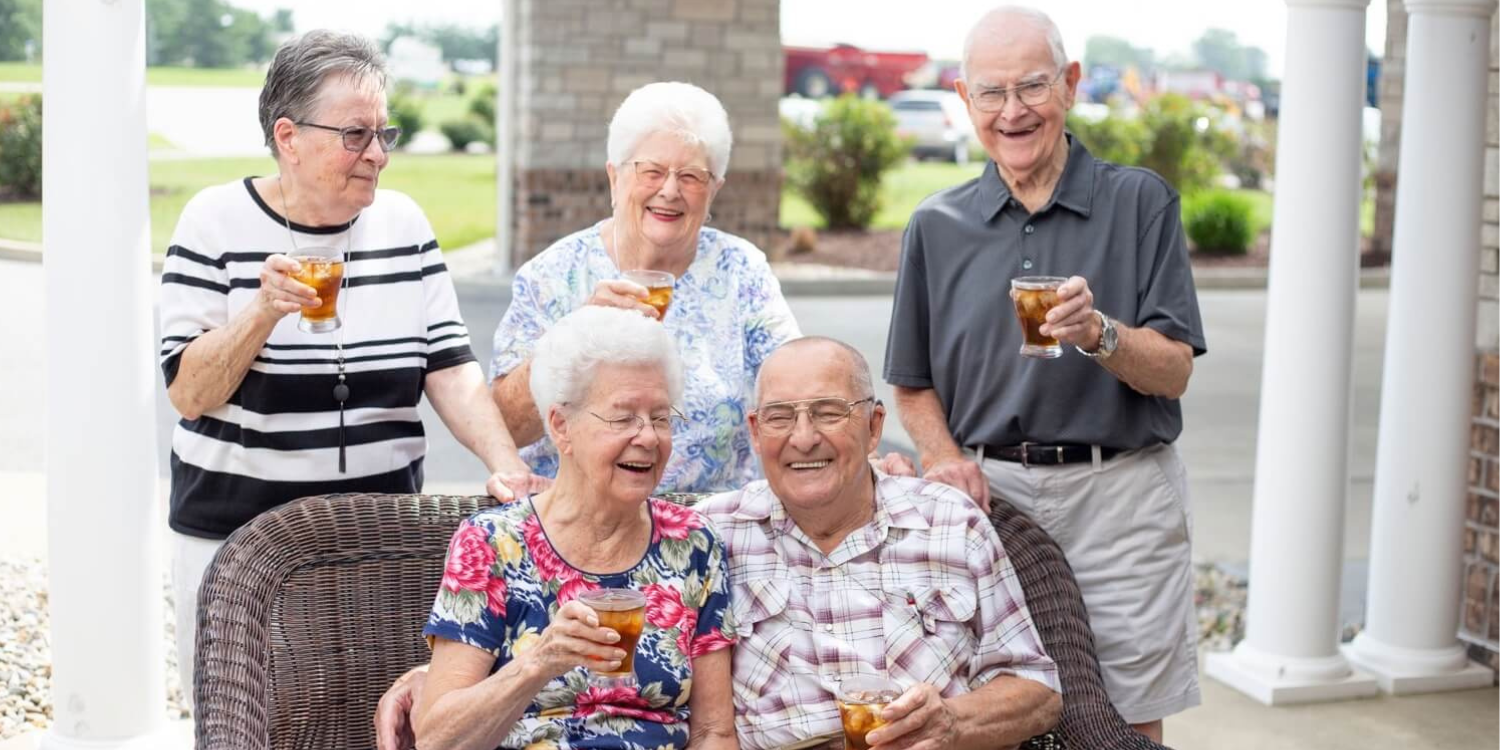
(861, 698)
(323, 270)
(658, 288)
(623, 611)
(1033, 297)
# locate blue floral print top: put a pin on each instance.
(503, 582)
(727, 316)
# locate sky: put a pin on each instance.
(1165, 26)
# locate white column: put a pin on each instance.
(103, 524)
(1409, 642)
(1290, 652)
(505, 137)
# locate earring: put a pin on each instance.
(709, 217)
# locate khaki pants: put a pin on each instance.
(1125, 526)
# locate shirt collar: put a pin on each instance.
(895, 507)
(1074, 191)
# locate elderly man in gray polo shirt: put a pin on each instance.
(1082, 443)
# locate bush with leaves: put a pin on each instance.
(1186, 148)
(1218, 221)
(483, 104)
(468, 130)
(1115, 139)
(21, 146)
(837, 164)
(406, 112)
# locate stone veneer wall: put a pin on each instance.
(1392, 76)
(578, 59)
(1480, 620)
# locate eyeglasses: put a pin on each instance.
(358, 137)
(652, 175)
(826, 414)
(1030, 94)
(632, 424)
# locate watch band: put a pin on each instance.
(1105, 348)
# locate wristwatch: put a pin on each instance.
(1109, 339)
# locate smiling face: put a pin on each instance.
(815, 469)
(1020, 138)
(339, 181)
(616, 465)
(669, 215)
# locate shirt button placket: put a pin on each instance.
(1026, 263)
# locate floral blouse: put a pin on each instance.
(727, 316)
(503, 582)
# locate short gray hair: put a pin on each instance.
(1039, 20)
(860, 383)
(569, 354)
(681, 109)
(303, 64)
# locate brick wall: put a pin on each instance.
(1480, 621)
(578, 59)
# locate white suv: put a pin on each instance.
(937, 122)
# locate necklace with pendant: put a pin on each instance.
(341, 388)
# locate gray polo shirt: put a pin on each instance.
(954, 329)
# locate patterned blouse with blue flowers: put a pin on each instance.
(727, 316)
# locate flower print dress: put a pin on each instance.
(503, 582)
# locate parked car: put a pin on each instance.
(938, 124)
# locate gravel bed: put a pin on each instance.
(26, 651)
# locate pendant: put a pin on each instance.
(341, 393)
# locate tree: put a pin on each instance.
(1219, 50)
(456, 42)
(281, 22)
(205, 34)
(20, 23)
(1116, 52)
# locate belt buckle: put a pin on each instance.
(1025, 451)
(1059, 455)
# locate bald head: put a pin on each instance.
(796, 357)
(1003, 25)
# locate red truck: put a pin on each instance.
(818, 72)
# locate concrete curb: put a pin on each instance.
(472, 267)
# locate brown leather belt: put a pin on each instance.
(1043, 454)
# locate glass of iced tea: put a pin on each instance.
(323, 270)
(861, 698)
(623, 611)
(1034, 296)
(658, 288)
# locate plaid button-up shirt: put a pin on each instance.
(922, 593)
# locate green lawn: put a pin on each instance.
(14, 72)
(457, 191)
(901, 190)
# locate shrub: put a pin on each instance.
(483, 105)
(1186, 148)
(21, 146)
(461, 133)
(1117, 139)
(406, 112)
(1218, 221)
(837, 163)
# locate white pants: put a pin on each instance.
(1125, 526)
(191, 556)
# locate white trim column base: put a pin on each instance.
(1406, 671)
(1281, 681)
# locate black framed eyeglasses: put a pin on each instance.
(826, 414)
(357, 137)
(634, 423)
(1030, 94)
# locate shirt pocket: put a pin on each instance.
(763, 654)
(929, 633)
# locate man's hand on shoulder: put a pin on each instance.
(963, 474)
(919, 720)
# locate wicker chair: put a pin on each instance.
(309, 612)
(1089, 721)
